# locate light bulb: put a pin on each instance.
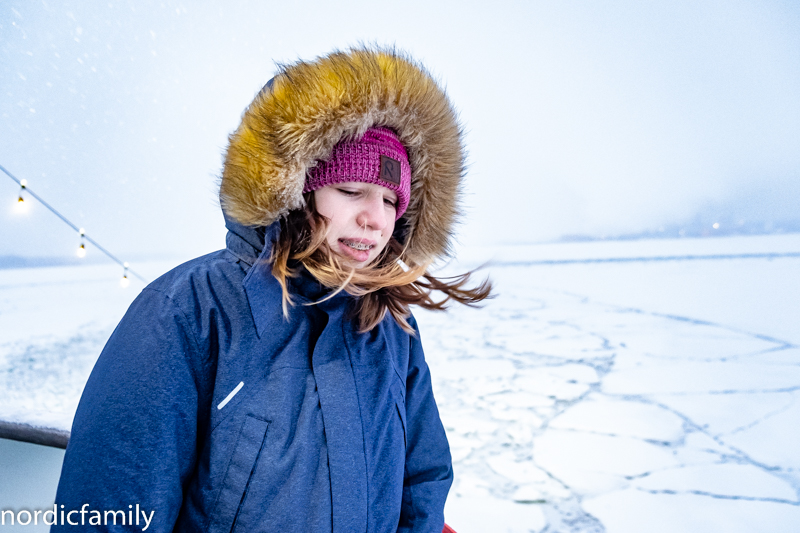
(82, 248)
(124, 282)
(21, 206)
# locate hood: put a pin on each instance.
(309, 106)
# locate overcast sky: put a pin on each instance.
(595, 118)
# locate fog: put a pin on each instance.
(582, 119)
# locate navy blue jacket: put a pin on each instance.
(211, 409)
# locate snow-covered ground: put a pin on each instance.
(620, 396)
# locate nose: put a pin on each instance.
(373, 213)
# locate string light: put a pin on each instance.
(22, 205)
(82, 248)
(81, 251)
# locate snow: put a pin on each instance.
(486, 513)
(694, 377)
(725, 479)
(589, 463)
(30, 476)
(766, 438)
(635, 511)
(655, 395)
(598, 413)
(53, 323)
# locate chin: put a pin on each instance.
(356, 264)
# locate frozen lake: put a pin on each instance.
(611, 386)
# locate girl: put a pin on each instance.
(279, 385)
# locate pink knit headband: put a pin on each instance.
(377, 157)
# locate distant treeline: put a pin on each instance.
(15, 261)
(705, 228)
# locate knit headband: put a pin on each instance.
(376, 157)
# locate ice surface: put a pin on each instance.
(694, 377)
(634, 511)
(53, 323)
(774, 440)
(726, 479)
(725, 413)
(590, 463)
(627, 397)
(486, 513)
(663, 393)
(603, 415)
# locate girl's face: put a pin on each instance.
(361, 219)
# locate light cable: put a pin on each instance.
(66, 221)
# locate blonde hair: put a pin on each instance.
(391, 283)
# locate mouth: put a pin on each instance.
(356, 249)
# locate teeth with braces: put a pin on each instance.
(358, 245)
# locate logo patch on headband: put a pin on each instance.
(390, 170)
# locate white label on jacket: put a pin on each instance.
(230, 396)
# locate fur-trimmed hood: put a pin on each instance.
(310, 105)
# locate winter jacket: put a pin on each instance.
(214, 412)
(211, 409)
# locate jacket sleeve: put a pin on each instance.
(429, 471)
(134, 437)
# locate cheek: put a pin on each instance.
(387, 234)
(324, 203)
(327, 207)
(333, 231)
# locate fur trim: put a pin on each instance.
(309, 106)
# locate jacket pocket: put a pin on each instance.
(237, 477)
